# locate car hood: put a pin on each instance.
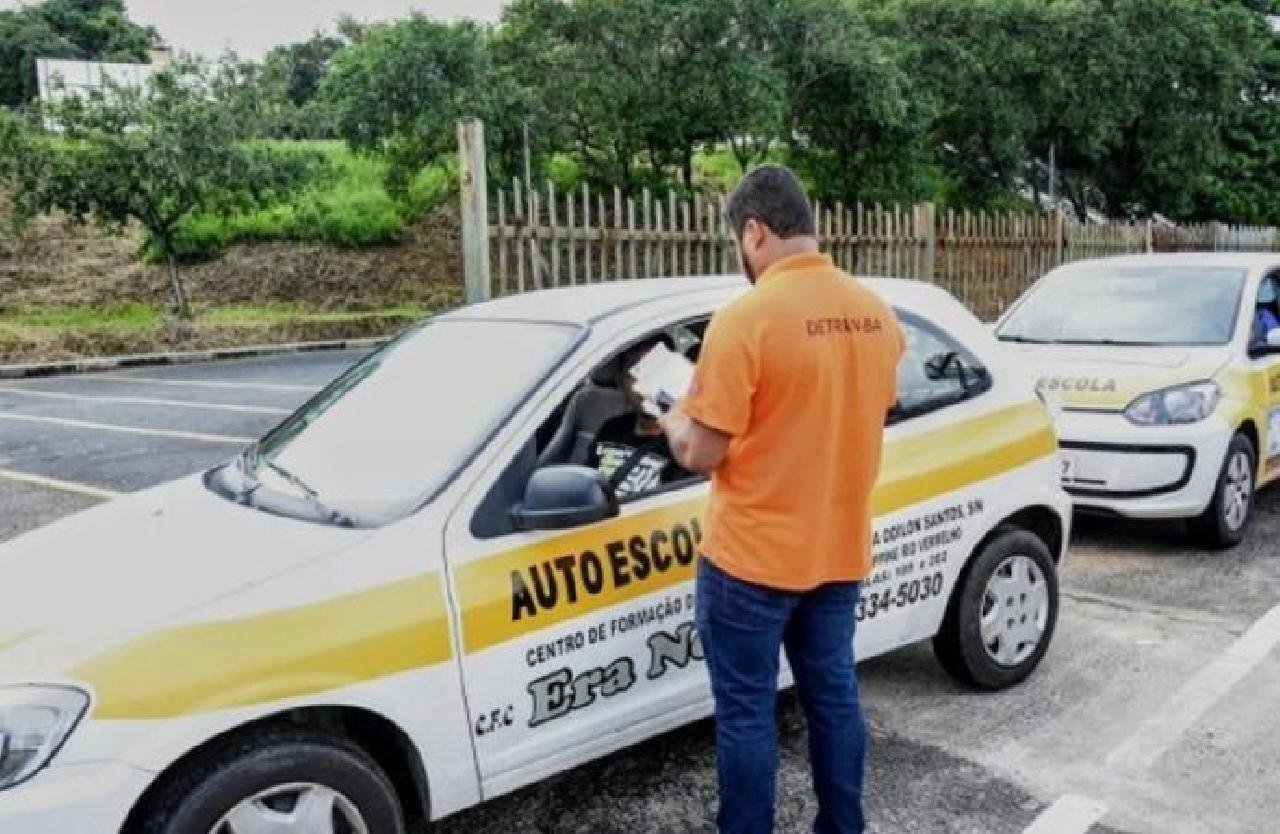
(1110, 377)
(100, 577)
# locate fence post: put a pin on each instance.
(1059, 254)
(1149, 239)
(475, 210)
(927, 224)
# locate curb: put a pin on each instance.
(141, 360)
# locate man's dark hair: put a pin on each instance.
(773, 196)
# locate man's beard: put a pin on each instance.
(746, 264)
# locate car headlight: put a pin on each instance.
(34, 722)
(1173, 406)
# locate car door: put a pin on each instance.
(1265, 364)
(575, 641)
(958, 429)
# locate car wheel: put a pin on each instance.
(278, 781)
(1002, 612)
(1223, 524)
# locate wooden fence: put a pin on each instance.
(524, 239)
(544, 239)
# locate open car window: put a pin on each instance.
(936, 371)
(1266, 310)
(593, 426)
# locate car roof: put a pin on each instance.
(1244, 260)
(590, 303)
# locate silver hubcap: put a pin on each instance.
(1237, 491)
(301, 808)
(1015, 610)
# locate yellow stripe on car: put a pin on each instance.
(1247, 394)
(403, 626)
(273, 656)
(918, 468)
(513, 592)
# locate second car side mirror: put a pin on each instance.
(560, 497)
(1268, 346)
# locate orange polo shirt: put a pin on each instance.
(801, 372)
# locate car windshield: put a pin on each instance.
(392, 430)
(1139, 305)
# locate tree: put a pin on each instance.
(1175, 79)
(1135, 99)
(856, 119)
(401, 89)
(294, 72)
(80, 29)
(1244, 184)
(152, 157)
(651, 78)
(983, 68)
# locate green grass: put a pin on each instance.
(115, 316)
(136, 316)
(346, 204)
(268, 314)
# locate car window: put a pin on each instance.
(595, 426)
(936, 371)
(391, 431)
(1266, 313)
(1130, 305)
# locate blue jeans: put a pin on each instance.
(743, 627)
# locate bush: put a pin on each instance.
(719, 168)
(432, 186)
(197, 237)
(352, 216)
(344, 201)
(565, 173)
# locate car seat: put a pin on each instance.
(598, 401)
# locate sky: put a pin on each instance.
(251, 27)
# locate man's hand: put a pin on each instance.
(696, 447)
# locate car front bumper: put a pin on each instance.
(85, 798)
(1109, 464)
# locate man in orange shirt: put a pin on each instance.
(786, 413)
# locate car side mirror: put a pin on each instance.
(942, 366)
(952, 366)
(1269, 346)
(560, 497)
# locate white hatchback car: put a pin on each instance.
(1168, 381)
(410, 596)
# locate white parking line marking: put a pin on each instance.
(1071, 814)
(1161, 730)
(198, 383)
(54, 483)
(85, 424)
(59, 395)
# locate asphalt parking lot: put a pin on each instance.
(1155, 711)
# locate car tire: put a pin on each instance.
(1002, 612)
(1224, 522)
(271, 775)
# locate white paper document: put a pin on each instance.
(662, 377)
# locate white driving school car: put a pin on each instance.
(1168, 381)
(411, 596)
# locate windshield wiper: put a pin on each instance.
(293, 479)
(251, 460)
(1026, 340)
(1110, 342)
(248, 459)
